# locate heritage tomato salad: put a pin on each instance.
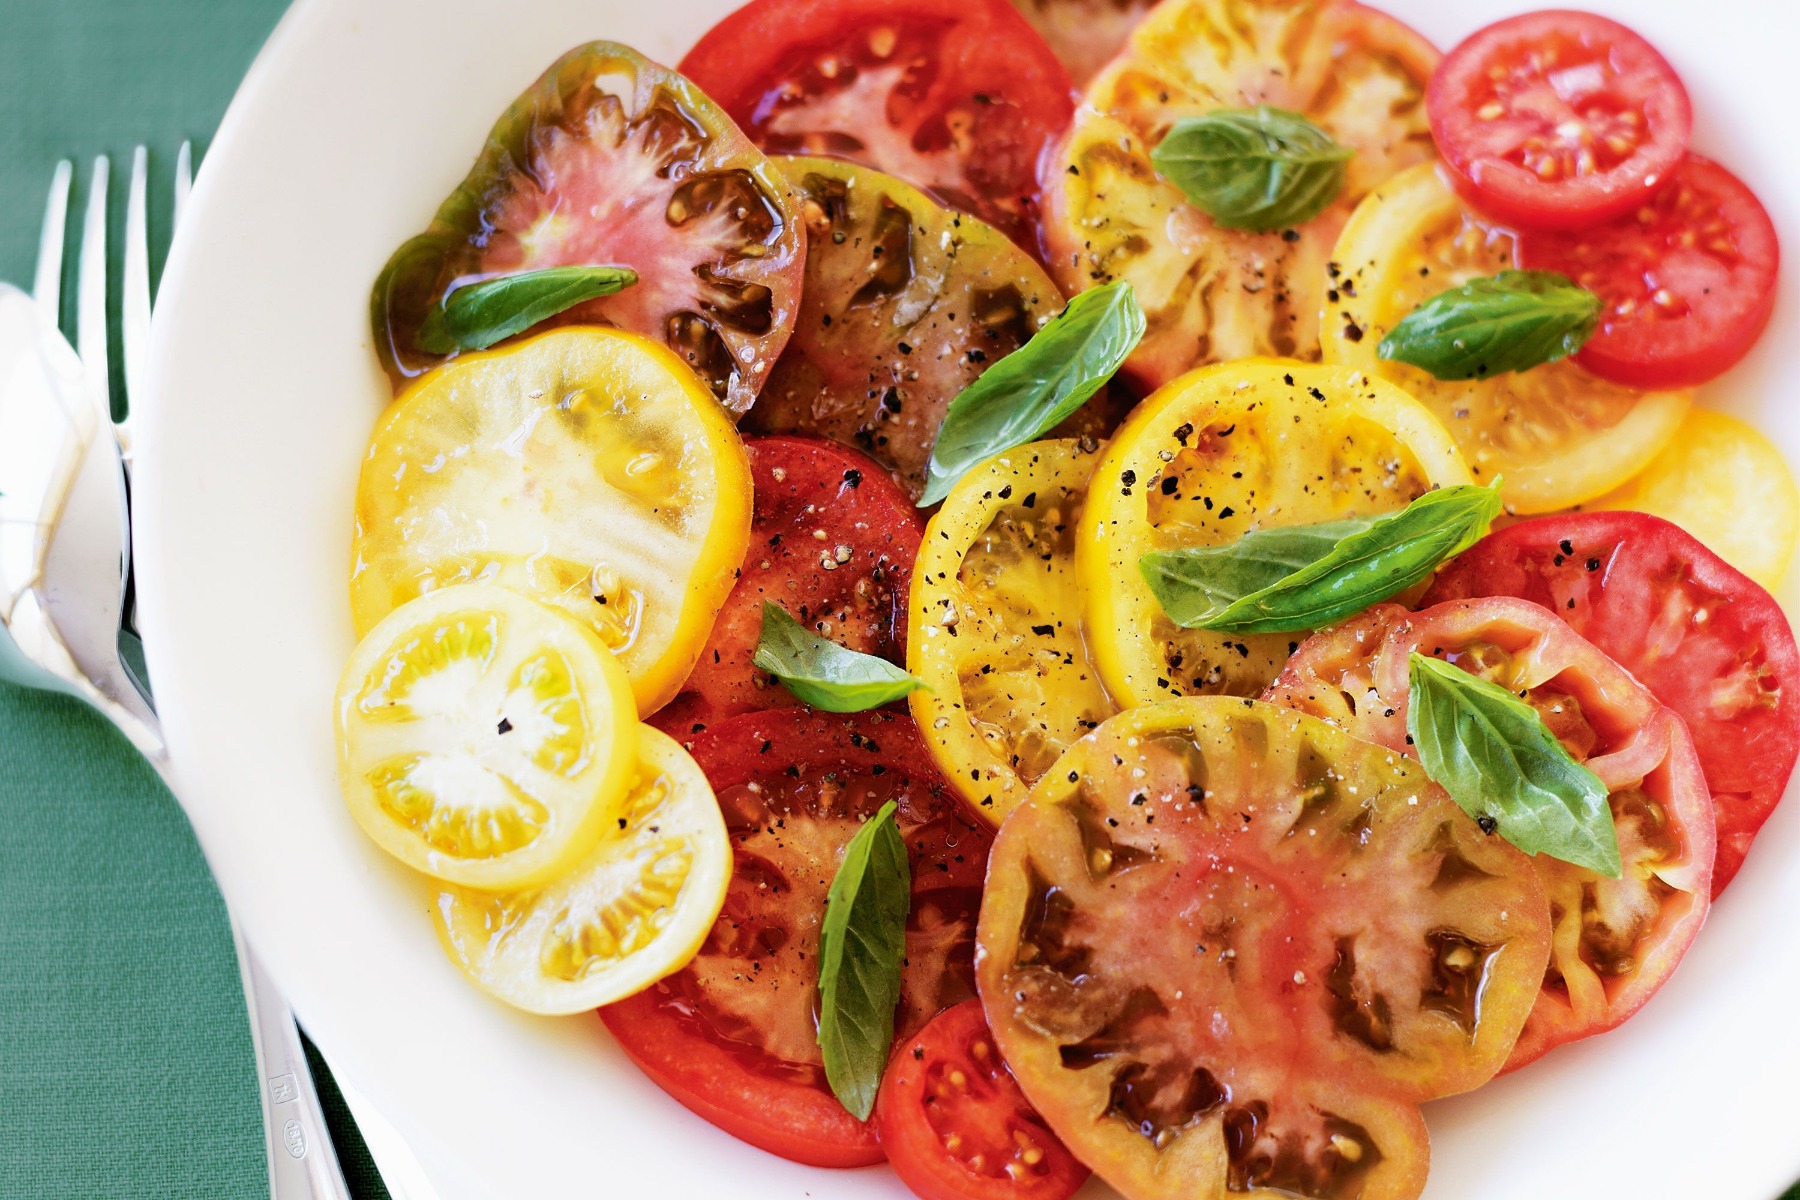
(1059, 587)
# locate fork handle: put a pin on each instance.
(302, 1165)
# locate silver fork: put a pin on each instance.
(67, 616)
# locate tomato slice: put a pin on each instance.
(1211, 294)
(1710, 643)
(635, 908)
(996, 627)
(956, 96)
(516, 466)
(1084, 33)
(1556, 434)
(1616, 940)
(832, 540)
(1226, 947)
(612, 159)
(732, 1035)
(956, 1126)
(1220, 452)
(906, 304)
(1688, 277)
(1556, 120)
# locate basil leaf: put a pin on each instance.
(862, 945)
(822, 673)
(1037, 386)
(1495, 756)
(477, 315)
(1300, 577)
(1512, 321)
(1256, 168)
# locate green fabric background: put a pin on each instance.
(125, 1061)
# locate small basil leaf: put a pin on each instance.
(822, 673)
(477, 315)
(862, 944)
(1495, 756)
(1299, 577)
(1037, 386)
(1256, 168)
(1512, 321)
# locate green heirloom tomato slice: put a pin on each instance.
(1616, 940)
(610, 159)
(906, 303)
(1228, 947)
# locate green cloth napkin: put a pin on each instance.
(125, 1060)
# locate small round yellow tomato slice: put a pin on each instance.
(1723, 482)
(995, 625)
(1557, 434)
(632, 911)
(484, 738)
(1217, 454)
(588, 468)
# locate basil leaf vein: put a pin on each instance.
(1037, 386)
(1498, 760)
(477, 315)
(822, 673)
(1299, 577)
(862, 944)
(1512, 321)
(1259, 168)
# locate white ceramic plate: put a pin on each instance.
(357, 119)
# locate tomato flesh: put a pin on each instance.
(1688, 278)
(732, 1035)
(832, 540)
(955, 96)
(955, 1124)
(610, 159)
(1616, 940)
(1707, 640)
(1227, 946)
(1556, 120)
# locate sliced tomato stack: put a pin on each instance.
(1574, 130)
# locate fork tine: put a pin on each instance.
(134, 305)
(90, 296)
(184, 181)
(46, 288)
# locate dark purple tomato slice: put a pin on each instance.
(610, 159)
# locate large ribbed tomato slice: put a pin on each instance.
(612, 159)
(1227, 947)
(732, 1035)
(1711, 643)
(1616, 940)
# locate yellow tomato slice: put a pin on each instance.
(1216, 454)
(587, 467)
(995, 625)
(484, 738)
(632, 911)
(1723, 482)
(1557, 434)
(1213, 294)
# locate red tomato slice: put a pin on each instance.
(1688, 278)
(732, 1035)
(832, 540)
(1556, 120)
(1707, 640)
(955, 96)
(956, 1126)
(1615, 941)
